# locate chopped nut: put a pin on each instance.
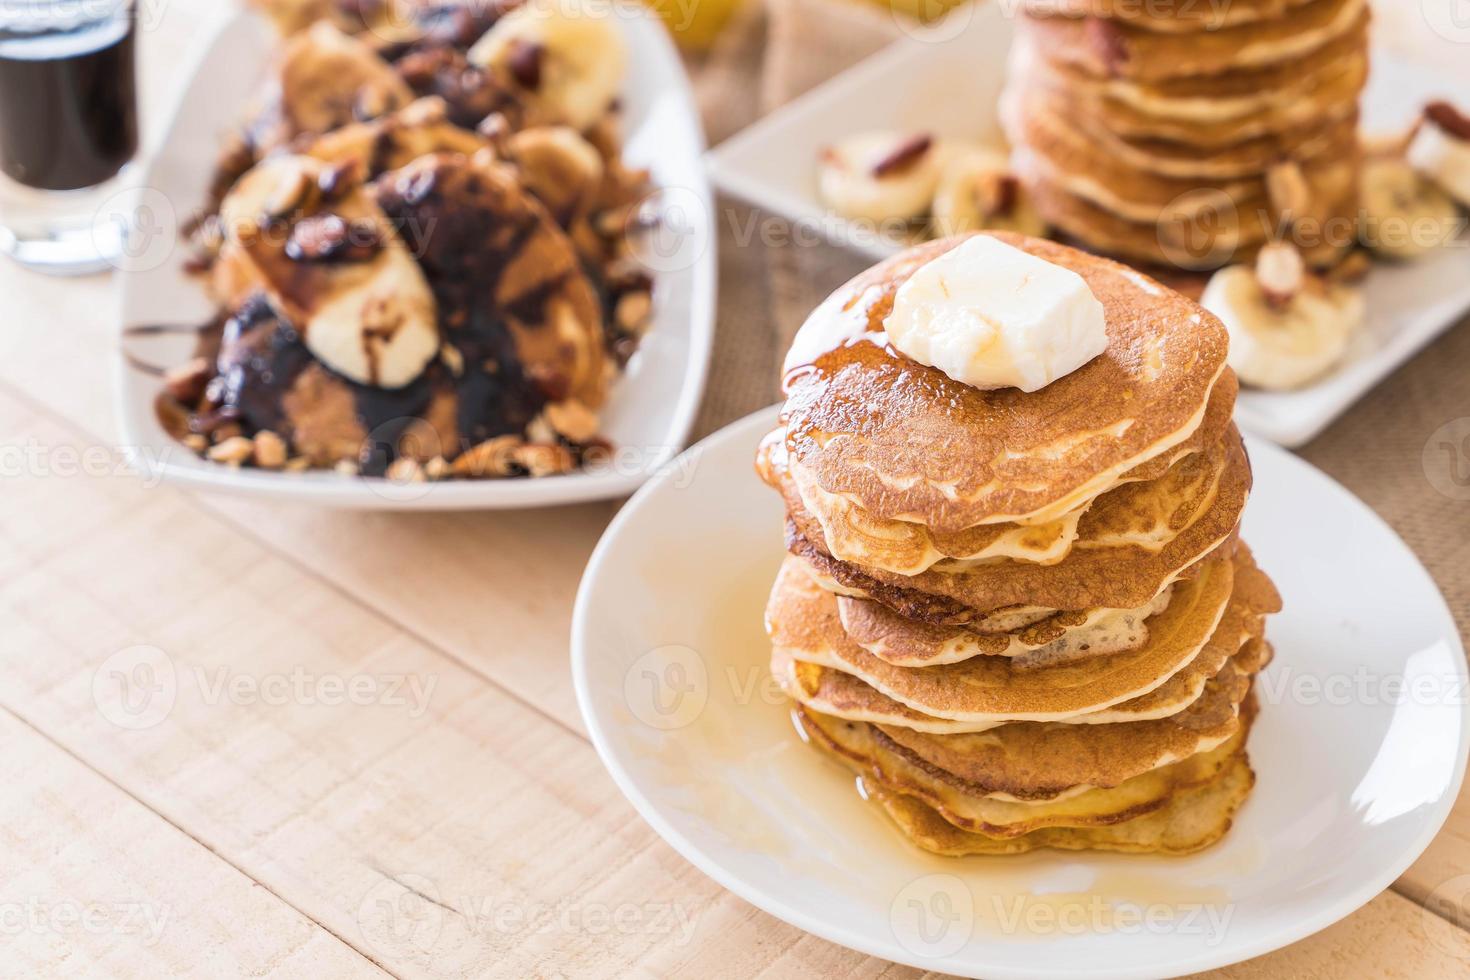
(195, 442)
(436, 468)
(904, 155)
(540, 460)
(452, 359)
(1288, 190)
(572, 420)
(225, 431)
(346, 467)
(1280, 272)
(298, 464)
(540, 429)
(329, 238)
(997, 193)
(426, 111)
(405, 470)
(633, 311)
(234, 450)
(493, 457)
(293, 193)
(185, 383)
(270, 450)
(334, 181)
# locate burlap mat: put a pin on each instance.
(1404, 449)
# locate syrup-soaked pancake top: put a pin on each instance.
(907, 442)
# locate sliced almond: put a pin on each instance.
(269, 450)
(572, 420)
(493, 457)
(1280, 272)
(235, 450)
(542, 460)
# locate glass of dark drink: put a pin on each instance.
(68, 128)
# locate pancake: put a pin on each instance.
(803, 623)
(884, 764)
(1328, 91)
(1229, 106)
(906, 442)
(1058, 638)
(1181, 17)
(1051, 126)
(1107, 48)
(1110, 575)
(850, 533)
(1193, 820)
(1213, 240)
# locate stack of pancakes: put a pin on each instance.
(1187, 135)
(1026, 620)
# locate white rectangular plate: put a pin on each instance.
(651, 407)
(946, 81)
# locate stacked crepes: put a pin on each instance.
(1189, 134)
(1026, 620)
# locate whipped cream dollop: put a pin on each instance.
(991, 316)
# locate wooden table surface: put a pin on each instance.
(452, 822)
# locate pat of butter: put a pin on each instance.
(992, 316)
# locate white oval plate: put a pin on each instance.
(947, 81)
(651, 407)
(1355, 776)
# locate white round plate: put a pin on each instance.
(1359, 748)
(651, 406)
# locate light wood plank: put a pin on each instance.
(94, 884)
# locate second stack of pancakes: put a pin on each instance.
(1026, 620)
(1188, 134)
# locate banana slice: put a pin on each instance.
(332, 263)
(977, 191)
(1440, 149)
(1403, 215)
(329, 79)
(567, 56)
(880, 176)
(1285, 329)
(559, 167)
